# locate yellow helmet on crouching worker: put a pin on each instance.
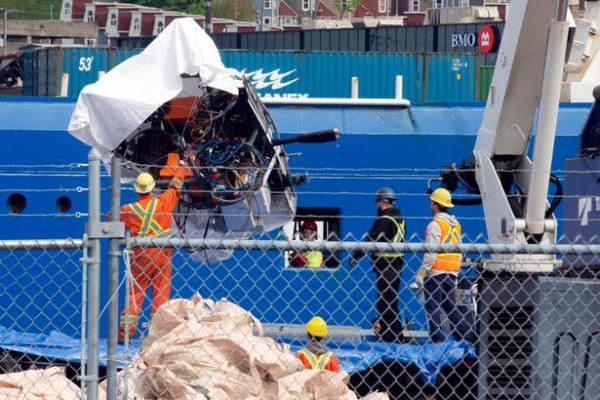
(144, 183)
(442, 197)
(317, 327)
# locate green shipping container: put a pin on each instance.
(485, 81)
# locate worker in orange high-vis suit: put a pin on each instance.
(316, 355)
(438, 273)
(149, 216)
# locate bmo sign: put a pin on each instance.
(484, 40)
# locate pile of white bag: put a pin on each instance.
(199, 349)
(45, 384)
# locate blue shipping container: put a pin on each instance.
(83, 65)
(43, 69)
(426, 78)
(117, 56)
(450, 78)
(320, 74)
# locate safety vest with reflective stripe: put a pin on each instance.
(314, 258)
(398, 237)
(316, 361)
(149, 227)
(451, 234)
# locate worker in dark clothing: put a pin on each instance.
(388, 227)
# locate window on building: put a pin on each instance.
(415, 5)
(305, 5)
(267, 4)
(381, 6)
(327, 221)
(267, 21)
(287, 21)
(113, 20)
(439, 4)
(464, 3)
(136, 24)
(345, 4)
(160, 27)
(89, 16)
(68, 9)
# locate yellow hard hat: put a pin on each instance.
(317, 327)
(144, 183)
(442, 196)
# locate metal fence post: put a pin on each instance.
(93, 265)
(113, 282)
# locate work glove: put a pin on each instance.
(418, 283)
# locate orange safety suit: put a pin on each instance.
(150, 216)
(326, 361)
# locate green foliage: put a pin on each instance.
(349, 5)
(239, 10)
(32, 9)
(232, 9)
(188, 6)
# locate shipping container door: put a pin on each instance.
(83, 66)
(29, 77)
(450, 78)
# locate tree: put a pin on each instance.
(187, 6)
(239, 10)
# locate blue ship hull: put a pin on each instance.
(379, 146)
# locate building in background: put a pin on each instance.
(132, 25)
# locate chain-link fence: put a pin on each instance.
(232, 318)
(475, 334)
(41, 315)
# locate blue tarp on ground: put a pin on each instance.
(355, 356)
(430, 359)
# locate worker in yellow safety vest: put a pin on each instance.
(307, 258)
(389, 227)
(438, 273)
(316, 355)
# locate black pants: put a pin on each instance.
(388, 284)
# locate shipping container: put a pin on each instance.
(427, 78)
(451, 38)
(450, 78)
(289, 40)
(323, 74)
(334, 40)
(84, 66)
(485, 81)
(43, 69)
(117, 56)
(227, 40)
(401, 39)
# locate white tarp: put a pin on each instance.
(108, 111)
